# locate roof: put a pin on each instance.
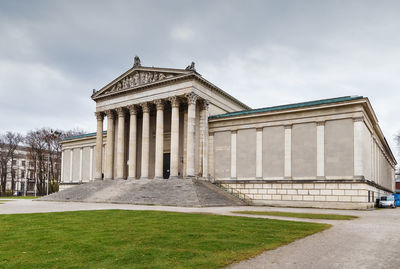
(288, 106)
(81, 136)
(175, 75)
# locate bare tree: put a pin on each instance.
(13, 140)
(37, 147)
(8, 146)
(45, 155)
(4, 159)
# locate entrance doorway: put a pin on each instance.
(166, 165)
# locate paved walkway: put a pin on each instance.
(372, 241)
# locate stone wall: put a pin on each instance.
(325, 195)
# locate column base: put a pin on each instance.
(158, 177)
(173, 177)
(120, 178)
(108, 179)
(98, 179)
(131, 178)
(142, 178)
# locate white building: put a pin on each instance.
(169, 123)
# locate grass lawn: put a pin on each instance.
(298, 215)
(139, 239)
(18, 197)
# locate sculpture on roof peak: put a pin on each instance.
(136, 62)
(191, 67)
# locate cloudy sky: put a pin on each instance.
(53, 53)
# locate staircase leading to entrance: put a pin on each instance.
(169, 192)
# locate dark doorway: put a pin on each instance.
(166, 165)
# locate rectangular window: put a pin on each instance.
(14, 162)
(22, 174)
(23, 163)
(369, 196)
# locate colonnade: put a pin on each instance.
(120, 114)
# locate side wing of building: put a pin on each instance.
(328, 153)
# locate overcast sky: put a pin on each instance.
(265, 53)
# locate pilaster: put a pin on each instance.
(233, 154)
(358, 147)
(288, 151)
(259, 147)
(321, 149)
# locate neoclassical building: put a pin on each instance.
(172, 123)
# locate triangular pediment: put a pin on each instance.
(138, 77)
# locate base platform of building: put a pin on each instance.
(168, 192)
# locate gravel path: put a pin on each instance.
(371, 241)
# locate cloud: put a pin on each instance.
(262, 52)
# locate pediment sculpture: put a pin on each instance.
(139, 78)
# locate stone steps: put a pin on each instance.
(169, 192)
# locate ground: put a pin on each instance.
(370, 241)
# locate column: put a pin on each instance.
(132, 141)
(121, 143)
(80, 164)
(358, 152)
(259, 147)
(145, 140)
(204, 138)
(98, 175)
(174, 157)
(110, 145)
(71, 159)
(184, 138)
(233, 154)
(320, 150)
(91, 164)
(159, 158)
(192, 98)
(288, 151)
(211, 155)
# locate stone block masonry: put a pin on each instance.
(351, 195)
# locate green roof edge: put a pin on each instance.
(289, 106)
(81, 136)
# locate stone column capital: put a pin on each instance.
(174, 101)
(145, 107)
(110, 114)
(358, 119)
(99, 116)
(191, 98)
(288, 126)
(320, 123)
(132, 109)
(204, 104)
(120, 111)
(159, 104)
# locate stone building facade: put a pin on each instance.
(22, 168)
(173, 123)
